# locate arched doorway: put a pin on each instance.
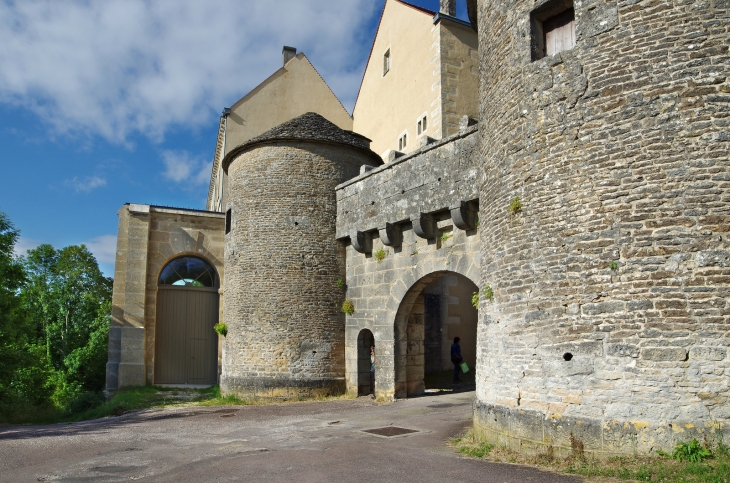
(365, 340)
(435, 309)
(186, 346)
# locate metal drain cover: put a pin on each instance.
(390, 431)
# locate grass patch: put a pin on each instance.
(380, 255)
(148, 397)
(712, 468)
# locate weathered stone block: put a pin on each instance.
(707, 353)
(663, 354)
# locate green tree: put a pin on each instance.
(11, 318)
(70, 301)
(23, 372)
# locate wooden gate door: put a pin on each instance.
(186, 346)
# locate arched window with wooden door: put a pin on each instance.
(186, 346)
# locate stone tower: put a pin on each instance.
(604, 214)
(281, 301)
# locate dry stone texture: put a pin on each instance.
(618, 152)
(281, 302)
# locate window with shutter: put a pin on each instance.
(552, 27)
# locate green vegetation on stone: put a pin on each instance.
(380, 255)
(221, 328)
(348, 307)
(340, 283)
(515, 205)
(486, 292)
(613, 266)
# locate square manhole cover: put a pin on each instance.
(390, 431)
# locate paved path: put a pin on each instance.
(292, 443)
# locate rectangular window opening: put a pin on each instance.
(552, 28)
(228, 221)
(386, 62)
(422, 125)
(402, 141)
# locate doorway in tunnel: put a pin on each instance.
(434, 311)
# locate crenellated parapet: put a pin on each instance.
(419, 189)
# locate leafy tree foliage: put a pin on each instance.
(69, 299)
(55, 307)
(13, 323)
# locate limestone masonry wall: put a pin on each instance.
(438, 176)
(620, 255)
(281, 301)
(419, 211)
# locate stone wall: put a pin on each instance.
(610, 318)
(459, 75)
(436, 177)
(175, 233)
(148, 238)
(417, 214)
(282, 303)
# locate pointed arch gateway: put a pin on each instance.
(186, 346)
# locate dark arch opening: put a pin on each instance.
(188, 271)
(435, 309)
(365, 339)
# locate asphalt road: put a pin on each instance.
(300, 442)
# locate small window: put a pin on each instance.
(228, 221)
(553, 28)
(386, 62)
(422, 125)
(402, 141)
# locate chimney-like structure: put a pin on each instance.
(288, 54)
(448, 7)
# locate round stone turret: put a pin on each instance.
(604, 214)
(281, 302)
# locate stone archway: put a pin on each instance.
(433, 311)
(186, 346)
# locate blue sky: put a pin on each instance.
(104, 102)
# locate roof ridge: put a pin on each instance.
(420, 9)
(372, 47)
(326, 84)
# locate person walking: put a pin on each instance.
(456, 358)
(372, 371)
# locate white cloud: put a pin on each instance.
(114, 67)
(181, 166)
(86, 184)
(104, 248)
(25, 244)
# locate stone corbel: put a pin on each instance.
(361, 242)
(424, 226)
(391, 235)
(464, 215)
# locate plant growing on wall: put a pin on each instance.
(515, 206)
(221, 328)
(380, 255)
(347, 307)
(340, 283)
(613, 266)
(446, 235)
(486, 292)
